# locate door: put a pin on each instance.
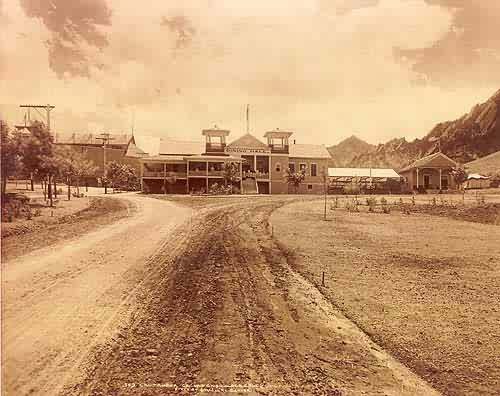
(427, 181)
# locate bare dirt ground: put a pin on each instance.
(58, 302)
(68, 220)
(423, 287)
(226, 313)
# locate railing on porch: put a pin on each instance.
(197, 172)
(215, 173)
(153, 173)
(256, 174)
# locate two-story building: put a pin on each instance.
(186, 167)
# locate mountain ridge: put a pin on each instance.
(474, 135)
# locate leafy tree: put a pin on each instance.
(83, 168)
(122, 176)
(295, 178)
(48, 168)
(10, 154)
(231, 174)
(73, 166)
(459, 175)
(36, 148)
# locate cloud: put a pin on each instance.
(343, 7)
(180, 66)
(181, 27)
(470, 50)
(74, 26)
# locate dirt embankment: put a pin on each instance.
(487, 213)
(24, 236)
(424, 287)
(229, 315)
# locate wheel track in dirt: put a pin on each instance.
(169, 248)
(233, 278)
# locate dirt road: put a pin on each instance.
(61, 301)
(227, 314)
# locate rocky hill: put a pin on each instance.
(474, 135)
(489, 165)
(344, 152)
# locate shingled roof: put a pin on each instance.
(436, 160)
(308, 151)
(248, 141)
(180, 147)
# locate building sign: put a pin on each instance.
(246, 150)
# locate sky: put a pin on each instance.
(324, 69)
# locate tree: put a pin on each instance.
(83, 168)
(73, 166)
(122, 176)
(48, 168)
(295, 178)
(459, 175)
(35, 148)
(10, 154)
(230, 173)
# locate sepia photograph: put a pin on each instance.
(250, 197)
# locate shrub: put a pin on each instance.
(371, 202)
(351, 189)
(335, 203)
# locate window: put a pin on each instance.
(291, 166)
(303, 167)
(278, 167)
(309, 186)
(314, 170)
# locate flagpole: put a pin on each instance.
(248, 119)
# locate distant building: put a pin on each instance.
(183, 167)
(342, 180)
(432, 172)
(120, 148)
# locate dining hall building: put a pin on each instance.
(182, 167)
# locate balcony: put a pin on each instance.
(279, 148)
(147, 173)
(176, 174)
(197, 172)
(218, 173)
(215, 147)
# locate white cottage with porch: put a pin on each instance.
(432, 172)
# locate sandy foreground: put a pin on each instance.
(190, 296)
(61, 300)
(423, 287)
(228, 314)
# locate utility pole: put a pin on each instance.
(48, 108)
(105, 137)
(325, 187)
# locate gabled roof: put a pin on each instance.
(362, 172)
(308, 151)
(248, 141)
(436, 160)
(134, 152)
(148, 144)
(180, 147)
